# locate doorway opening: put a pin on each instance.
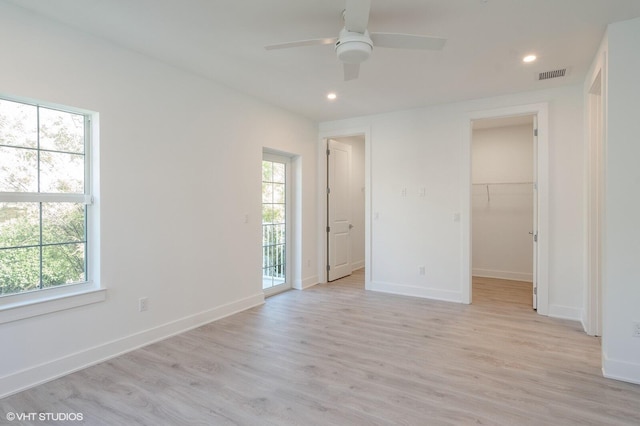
(504, 208)
(345, 206)
(541, 153)
(276, 235)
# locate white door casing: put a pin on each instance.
(338, 210)
(535, 212)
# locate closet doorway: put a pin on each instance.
(504, 205)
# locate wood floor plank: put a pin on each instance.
(336, 354)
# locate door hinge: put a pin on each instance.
(535, 132)
(328, 229)
(328, 268)
(535, 238)
(328, 152)
(535, 290)
(328, 190)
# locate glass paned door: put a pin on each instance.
(274, 224)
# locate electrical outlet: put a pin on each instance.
(636, 329)
(143, 304)
(421, 270)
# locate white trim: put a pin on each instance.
(595, 187)
(415, 291)
(51, 370)
(620, 370)
(541, 111)
(308, 282)
(41, 302)
(357, 265)
(565, 312)
(503, 275)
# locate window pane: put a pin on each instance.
(279, 234)
(267, 192)
(278, 213)
(19, 224)
(18, 124)
(278, 172)
(61, 131)
(63, 264)
(267, 171)
(61, 173)
(267, 213)
(18, 170)
(62, 223)
(19, 270)
(278, 193)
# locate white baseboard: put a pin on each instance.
(51, 370)
(503, 275)
(565, 312)
(357, 265)
(621, 370)
(409, 290)
(309, 282)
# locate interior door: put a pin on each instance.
(338, 210)
(535, 212)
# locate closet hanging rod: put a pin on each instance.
(504, 183)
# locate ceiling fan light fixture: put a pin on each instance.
(353, 48)
(331, 96)
(529, 58)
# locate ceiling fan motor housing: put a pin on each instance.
(353, 47)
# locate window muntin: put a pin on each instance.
(44, 197)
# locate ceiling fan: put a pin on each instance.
(355, 43)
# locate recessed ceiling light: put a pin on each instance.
(331, 96)
(529, 58)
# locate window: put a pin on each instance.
(45, 197)
(274, 223)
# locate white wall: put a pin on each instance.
(180, 167)
(621, 282)
(502, 214)
(357, 192)
(423, 148)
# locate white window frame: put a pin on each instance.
(14, 307)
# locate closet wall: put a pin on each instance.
(502, 202)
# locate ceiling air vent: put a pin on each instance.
(552, 74)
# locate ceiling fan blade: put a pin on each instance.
(351, 71)
(300, 43)
(407, 41)
(356, 15)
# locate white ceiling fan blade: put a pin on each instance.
(300, 43)
(356, 15)
(351, 71)
(407, 41)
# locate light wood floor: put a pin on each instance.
(337, 355)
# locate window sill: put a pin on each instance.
(22, 306)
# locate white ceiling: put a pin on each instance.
(223, 40)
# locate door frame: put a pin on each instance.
(324, 136)
(595, 131)
(541, 110)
